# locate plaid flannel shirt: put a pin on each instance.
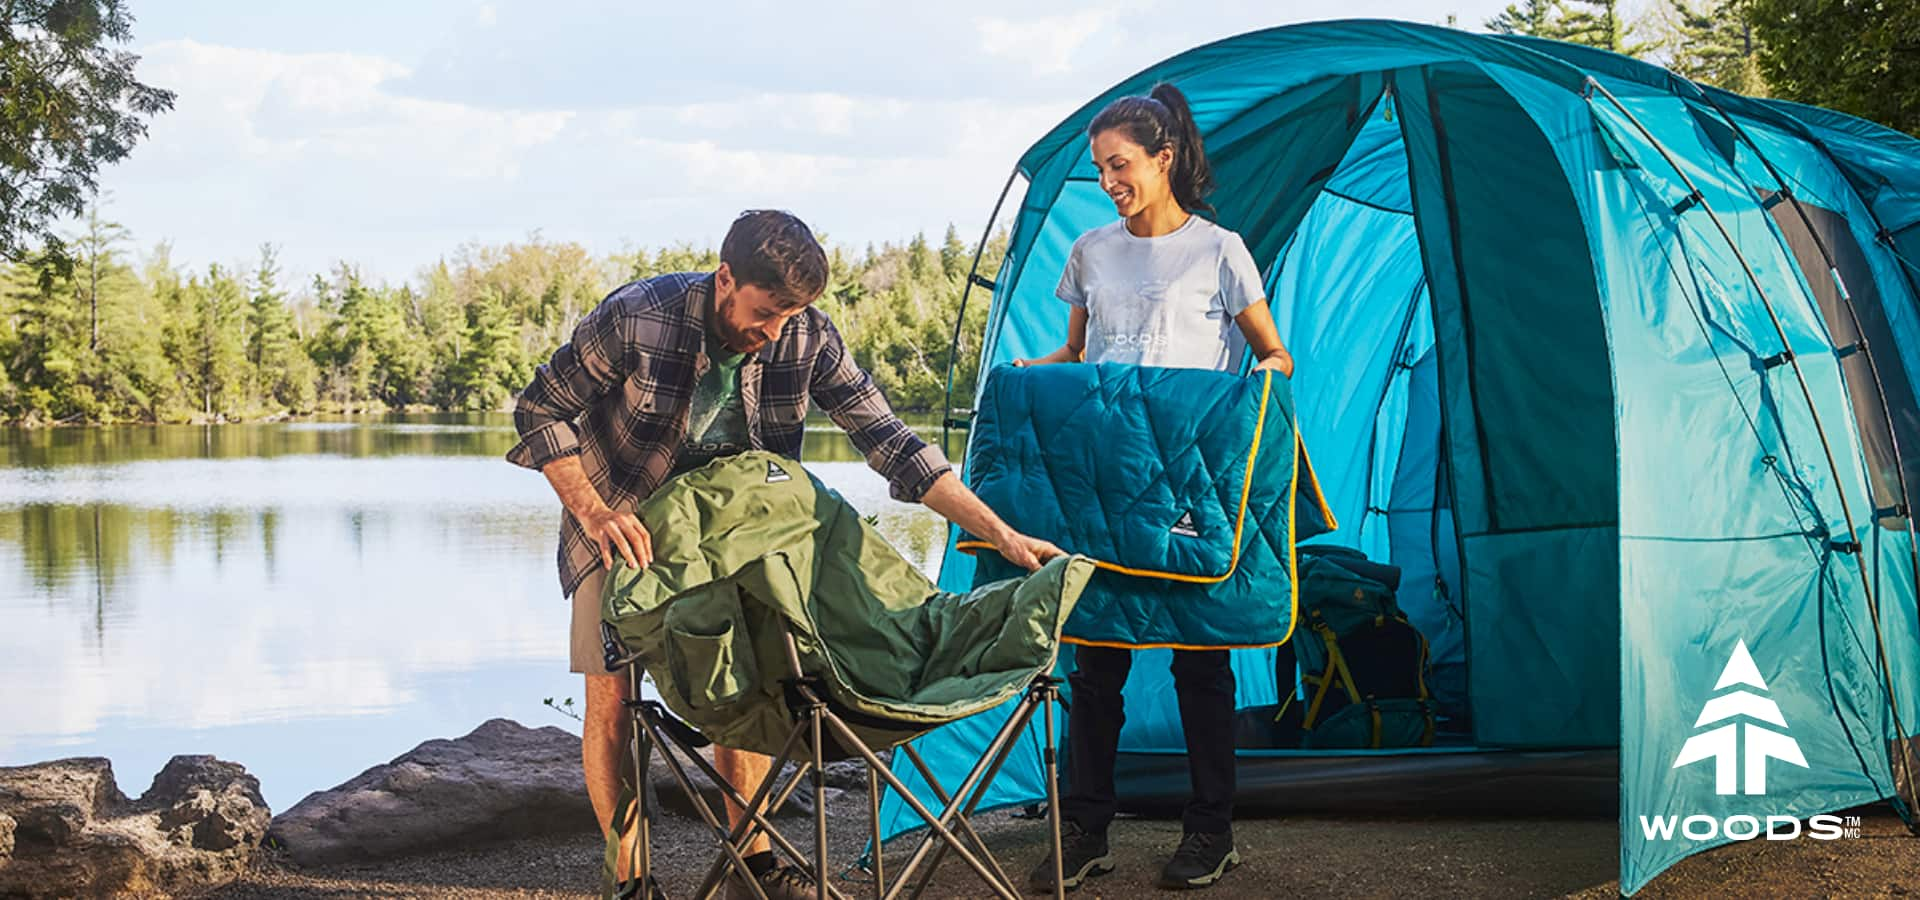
(619, 393)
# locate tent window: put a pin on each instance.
(1850, 263)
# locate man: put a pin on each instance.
(671, 372)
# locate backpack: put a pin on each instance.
(1352, 636)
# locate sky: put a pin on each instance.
(389, 134)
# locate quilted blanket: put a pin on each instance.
(1188, 488)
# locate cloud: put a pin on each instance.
(618, 124)
(258, 107)
(317, 153)
(1046, 44)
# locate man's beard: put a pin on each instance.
(736, 340)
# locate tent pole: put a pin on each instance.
(960, 319)
(1806, 392)
(1853, 316)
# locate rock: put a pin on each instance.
(501, 781)
(67, 830)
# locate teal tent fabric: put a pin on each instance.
(1188, 488)
(1569, 355)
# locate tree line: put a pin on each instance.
(1861, 57)
(103, 336)
(92, 332)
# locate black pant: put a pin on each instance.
(1203, 680)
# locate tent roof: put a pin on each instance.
(1258, 64)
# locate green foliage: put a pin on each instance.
(102, 341)
(1708, 41)
(1595, 23)
(282, 374)
(1856, 56)
(68, 105)
(1535, 18)
(898, 313)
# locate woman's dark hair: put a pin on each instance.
(773, 249)
(1163, 119)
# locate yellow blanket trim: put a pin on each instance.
(1118, 645)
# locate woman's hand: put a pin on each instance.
(1279, 362)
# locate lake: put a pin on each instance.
(307, 598)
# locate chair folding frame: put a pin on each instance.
(816, 719)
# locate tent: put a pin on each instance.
(1620, 371)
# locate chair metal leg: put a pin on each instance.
(707, 814)
(1050, 694)
(642, 745)
(962, 827)
(756, 811)
(878, 849)
(935, 824)
(846, 737)
(973, 789)
(967, 797)
(819, 802)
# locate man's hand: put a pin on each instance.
(1028, 553)
(607, 529)
(952, 500)
(621, 531)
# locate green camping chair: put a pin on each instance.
(774, 620)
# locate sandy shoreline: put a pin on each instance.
(1294, 856)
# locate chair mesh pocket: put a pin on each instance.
(708, 650)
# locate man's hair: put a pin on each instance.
(773, 249)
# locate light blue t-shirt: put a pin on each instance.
(1164, 301)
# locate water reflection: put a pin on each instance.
(306, 598)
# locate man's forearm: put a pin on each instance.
(954, 502)
(569, 480)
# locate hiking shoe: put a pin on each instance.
(1200, 861)
(1082, 856)
(780, 883)
(630, 890)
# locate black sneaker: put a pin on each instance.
(1200, 861)
(1082, 856)
(778, 883)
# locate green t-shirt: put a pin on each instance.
(717, 421)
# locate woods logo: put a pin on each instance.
(1754, 733)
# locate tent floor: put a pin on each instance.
(1456, 782)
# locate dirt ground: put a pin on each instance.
(1303, 856)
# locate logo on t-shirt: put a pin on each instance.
(1185, 527)
(775, 474)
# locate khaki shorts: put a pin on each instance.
(584, 655)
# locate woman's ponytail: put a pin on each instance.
(1157, 121)
(1192, 176)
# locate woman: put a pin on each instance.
(1161, 287)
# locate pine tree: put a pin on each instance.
(491, 367)
(920, 257)
(1602, 24)
(280, 372)
(953, 254)
(216, 351)
(1535, 18)
(47, 343)
(95, 247)
(1714, 44)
